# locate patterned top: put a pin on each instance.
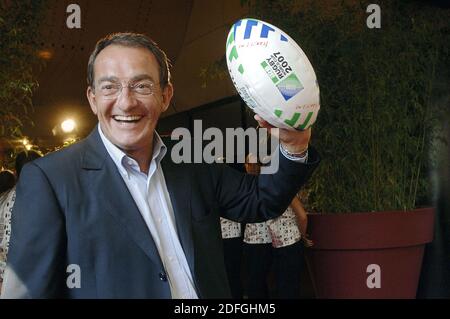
(7, 200)
(281, 231)
(230, 229)
(257, 233)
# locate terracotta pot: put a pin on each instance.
(368, 255)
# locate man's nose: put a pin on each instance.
(126, 99)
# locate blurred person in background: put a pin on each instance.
(275, 246)
(7, 199)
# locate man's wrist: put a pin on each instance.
(300, 153)
(297, 157)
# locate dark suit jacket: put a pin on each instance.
(73, 207)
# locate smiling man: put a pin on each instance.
(114, 217)
(128, 97)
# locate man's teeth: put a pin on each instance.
(127, 118)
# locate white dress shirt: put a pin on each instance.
(153, 201)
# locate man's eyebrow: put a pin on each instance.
(133, 79)
(142, 77)
(108, 79)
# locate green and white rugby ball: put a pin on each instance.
(272, 74)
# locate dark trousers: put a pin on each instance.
(286, 268)
(232, 249)
(258, 259)
(283, 265)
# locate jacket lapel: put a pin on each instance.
(115, 196)
(178, 180)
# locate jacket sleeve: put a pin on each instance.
(249, 199)
(37, 256)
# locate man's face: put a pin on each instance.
(129, 119)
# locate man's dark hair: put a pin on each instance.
(24, 157)
(134, 40)
(7, 180)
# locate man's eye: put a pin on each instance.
(107, 87)
(143, 85)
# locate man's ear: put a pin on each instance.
(92, 99)
(167, 95)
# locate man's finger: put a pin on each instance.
(262, 122)
(274, 131)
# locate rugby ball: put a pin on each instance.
(272, 74)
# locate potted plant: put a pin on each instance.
(374, 133)
(19, 63)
